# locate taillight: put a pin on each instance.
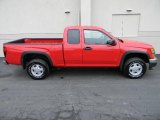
(4, 50)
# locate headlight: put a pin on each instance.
(153, 50)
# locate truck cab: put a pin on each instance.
(90, 46)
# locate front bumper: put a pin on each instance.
(152, 62)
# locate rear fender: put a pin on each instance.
(35, 53)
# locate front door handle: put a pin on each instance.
(87, 48)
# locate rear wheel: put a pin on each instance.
(37, 69)
(134, 68)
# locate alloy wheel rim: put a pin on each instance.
(135, 69)
(37, 70)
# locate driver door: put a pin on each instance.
(97, 51)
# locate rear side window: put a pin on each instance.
(73, 36)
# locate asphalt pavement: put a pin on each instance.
(79, 94)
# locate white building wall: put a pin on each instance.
(85, 12)
(149, 11)
(36, 18)
(47, 18)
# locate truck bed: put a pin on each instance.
(53, 47)
(37, 40)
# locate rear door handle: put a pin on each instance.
(87, 48)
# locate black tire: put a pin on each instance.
(134, 68)
(42, 71)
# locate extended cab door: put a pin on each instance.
(72, 47)
(97, 50)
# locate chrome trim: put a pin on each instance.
(153, 62)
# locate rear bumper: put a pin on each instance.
(152, 62)
(5, 62)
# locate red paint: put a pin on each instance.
(63, 54)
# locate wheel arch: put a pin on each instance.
(30, 55)
(129, 54)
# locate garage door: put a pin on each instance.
(125, 25)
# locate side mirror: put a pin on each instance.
(111, 42)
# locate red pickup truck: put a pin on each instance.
(81, 46)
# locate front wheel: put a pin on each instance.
(38, 69)
(134, 68)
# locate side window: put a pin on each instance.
(73, 36)
(95, 37)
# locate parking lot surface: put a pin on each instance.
(79, 94)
